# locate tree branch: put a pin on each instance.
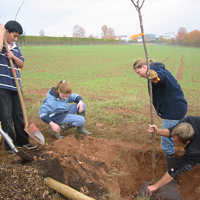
(19, 10)
(134, 4)
(138, 8)
(142, 4)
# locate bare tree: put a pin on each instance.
(138, 5)
(111, 33)
(78, 31)
(107, 32)
(19, 9)
(182, 32)
(41, 32)
(104, 29)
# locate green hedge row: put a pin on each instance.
(46, 40)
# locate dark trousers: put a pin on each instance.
(11, 117)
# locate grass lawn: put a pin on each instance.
(102, 74)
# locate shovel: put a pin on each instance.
(25, 157)
(32, 130)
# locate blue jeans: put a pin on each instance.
(167, 144)
(72, 117)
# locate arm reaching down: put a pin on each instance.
(161, 132)
(163, 181)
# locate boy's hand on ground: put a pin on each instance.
(80, 106)
(55, 127)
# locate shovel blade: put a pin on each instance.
(40, 137)
(35, 134)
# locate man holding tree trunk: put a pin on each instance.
(168, 100)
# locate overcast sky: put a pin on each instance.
(58, 17)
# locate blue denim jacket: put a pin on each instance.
(54, 108)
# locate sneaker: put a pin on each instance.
(30, 146)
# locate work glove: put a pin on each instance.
(153, 76)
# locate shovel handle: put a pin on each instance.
(18, 88)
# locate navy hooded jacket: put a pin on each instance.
(168, 97)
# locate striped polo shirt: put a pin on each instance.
(6, 77)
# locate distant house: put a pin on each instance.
(124, 38)
(167, 36)
(157, 37)
(148, 38)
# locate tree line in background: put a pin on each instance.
(79, 32)
(107, 32)
(46, 40)
(108, 37)
(189, 39)
(78, 38)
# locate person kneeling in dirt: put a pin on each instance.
(63, 109)
(186, 132)
(11, 115)
(168, 100)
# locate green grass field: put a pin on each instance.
(103, 76)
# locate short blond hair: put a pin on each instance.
(63, 87)
(184, 131)
(139, 63)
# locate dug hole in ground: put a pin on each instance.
(100, 168)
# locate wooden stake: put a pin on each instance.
(138, 7)
(65, 190)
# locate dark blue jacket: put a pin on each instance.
(168, 97)
(191, 156)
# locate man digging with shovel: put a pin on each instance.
(187, 133)
(11, 112)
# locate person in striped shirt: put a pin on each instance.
(11, 113)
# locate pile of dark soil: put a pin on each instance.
(23, 182)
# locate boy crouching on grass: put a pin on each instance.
(63, 109)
